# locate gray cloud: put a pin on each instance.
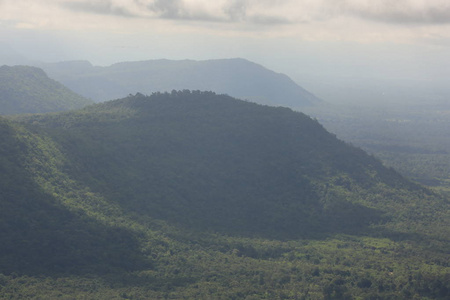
(429, 16)
(236, 10)
(399, 11)
(177, 10)
(102, 7)
(268, 20)
(272, 12)
(233, 11)
(170, 9)
(160, 9)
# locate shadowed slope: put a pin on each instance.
(211, 162)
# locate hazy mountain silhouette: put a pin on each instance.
(235, 77)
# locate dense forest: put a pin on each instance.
(25, 89)
(193, 195)
(413, 139)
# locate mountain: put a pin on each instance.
(209, 161)
(25, 89)
(198, 195)
(236, 77)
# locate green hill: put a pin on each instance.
(207, 161)
(26, 89)
(196, 195)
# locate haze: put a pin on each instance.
(341, 50)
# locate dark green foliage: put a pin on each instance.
(26, 89)
(38, 234)
(193, 195)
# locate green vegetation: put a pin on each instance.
(414, 140)
(193, 195)
(26, 89)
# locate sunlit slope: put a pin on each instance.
(26, 89)
(48, 223)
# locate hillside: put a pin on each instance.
(196, 195)
(26, 89)
(235, 77)
(40, 235)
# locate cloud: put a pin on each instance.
(313, 20)
(152, 9)
(244, 12)
(399, 11)
(272, 11)
(228, 11)
(236, 10)
(185, 10)
(103, 7)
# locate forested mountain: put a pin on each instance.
(196, 195)
(236, 77)
(25, 89)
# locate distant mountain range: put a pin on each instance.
(26, 89)
(236, 77)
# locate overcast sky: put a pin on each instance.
(328, 41)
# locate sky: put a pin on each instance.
(335, 48)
